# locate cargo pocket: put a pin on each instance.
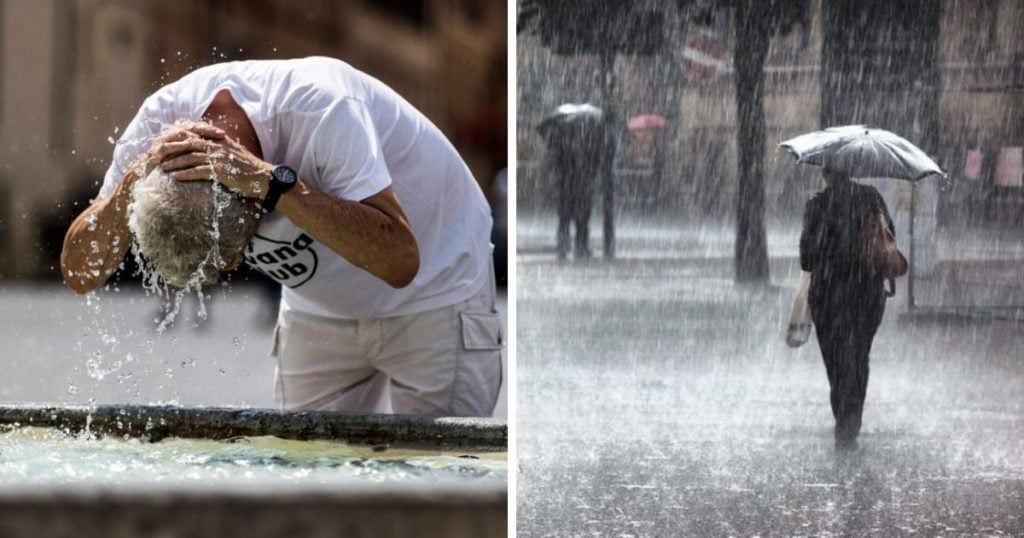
(478, 365)
(481, 331)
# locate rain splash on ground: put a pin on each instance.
(656, 398)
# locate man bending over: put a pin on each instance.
(371, 222)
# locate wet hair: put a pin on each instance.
(186, 230)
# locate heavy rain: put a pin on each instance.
(659, 251)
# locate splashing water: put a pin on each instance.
(41, 455)
(154, 283)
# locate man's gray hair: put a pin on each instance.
(185, 230)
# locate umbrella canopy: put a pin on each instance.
(570, 117)
(646, 121)
(863, 151)
(572, 112)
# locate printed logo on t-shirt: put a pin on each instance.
(291, 264)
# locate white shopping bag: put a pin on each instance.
(799, 329)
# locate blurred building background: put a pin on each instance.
(73, 73)
(685, 75)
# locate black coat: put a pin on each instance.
(585, 146)
(830, 244)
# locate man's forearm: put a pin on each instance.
(97, 241)
(372, 234)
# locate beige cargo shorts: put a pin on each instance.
(444, 362)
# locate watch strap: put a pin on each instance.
(282, 179)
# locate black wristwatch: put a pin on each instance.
(282, 179)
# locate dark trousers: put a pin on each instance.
(574, 207)
(845, 335)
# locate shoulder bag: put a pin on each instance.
(879, 252)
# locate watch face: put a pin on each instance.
(284, 174)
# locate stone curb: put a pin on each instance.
(158, 422)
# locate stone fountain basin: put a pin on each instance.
(257, 509)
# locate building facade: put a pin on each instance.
(690, 82)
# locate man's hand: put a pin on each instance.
(203, 157)
(179, 138)
(98, 239)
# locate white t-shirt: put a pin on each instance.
(350, 136)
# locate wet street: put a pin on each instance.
(658, 399)
(62, 348)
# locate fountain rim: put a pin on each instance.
(155, 422)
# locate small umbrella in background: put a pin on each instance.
(570, 123)
(646, 121)
(570, 114)
(863, 151)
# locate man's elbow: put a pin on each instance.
(79, 288)
(77, 284)
(406, 271)
(70, 278)
(80, 282)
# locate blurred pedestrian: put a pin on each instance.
(847, 298)
(581, 144)
(371, 222)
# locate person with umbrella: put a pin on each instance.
(581, 146)
(647, 134)
(847, 291)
